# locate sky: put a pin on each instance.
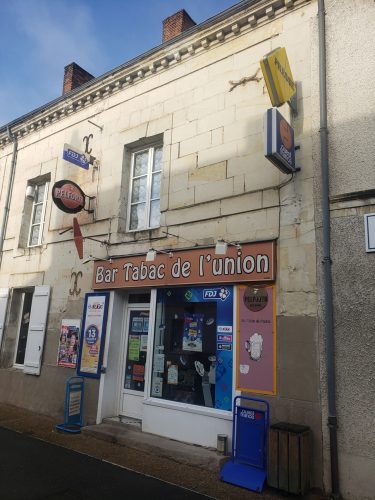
(40, 37)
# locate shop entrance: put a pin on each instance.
(135, 357)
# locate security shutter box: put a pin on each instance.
(37, 328)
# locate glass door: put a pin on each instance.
(133, 382)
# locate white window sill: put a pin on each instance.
(17, 368)
(142, 229)
(34, 246)
(199, 410)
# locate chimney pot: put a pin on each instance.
(176, 23)
(74, 77)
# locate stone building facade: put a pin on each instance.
(177, 136)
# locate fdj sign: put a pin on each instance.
(216, 294)
(73, 155)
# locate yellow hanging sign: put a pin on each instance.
(278, 76)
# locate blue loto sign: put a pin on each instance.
(76, 156)
(279, 141)
(248, 465)
(73, 408)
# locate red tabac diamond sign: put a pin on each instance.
(78, 238)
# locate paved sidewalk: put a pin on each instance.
(153, 456)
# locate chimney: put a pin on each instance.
(176, 24)
(74, 76)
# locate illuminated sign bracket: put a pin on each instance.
(90, 210)
(293, 104)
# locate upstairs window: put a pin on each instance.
(38, 212)
(145, 182)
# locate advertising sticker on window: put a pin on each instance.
(134, 347)
(256, 346)
(93, 334)
(192, 339)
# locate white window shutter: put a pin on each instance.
(4, 293)
(37, 329)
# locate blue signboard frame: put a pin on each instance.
(248, 466)
(73, 408)
(86, 335)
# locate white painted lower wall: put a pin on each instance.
(186, 423)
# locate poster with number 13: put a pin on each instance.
(93, 334)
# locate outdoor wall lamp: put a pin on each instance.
(151, 254)
(221, 247)
(30, 192)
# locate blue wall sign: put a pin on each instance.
(248, 465)
(74, 155)
(279, 141)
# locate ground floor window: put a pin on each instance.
(25, 298)
(25, 322)
(193, 346)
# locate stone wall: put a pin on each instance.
(351, 107)
(216, 184)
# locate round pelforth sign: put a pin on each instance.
(68, 196)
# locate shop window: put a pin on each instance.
(193, 347)
(145, 183)
(25, 328)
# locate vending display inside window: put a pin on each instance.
(193, 347)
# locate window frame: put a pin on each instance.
(151, 154)
(159, 317)
(19, 324)
(42, 217)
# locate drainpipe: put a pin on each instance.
(327, 273)
(13, 139)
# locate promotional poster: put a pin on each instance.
(69, 343)
(192, 340)
(256, 347)
(93, 331)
